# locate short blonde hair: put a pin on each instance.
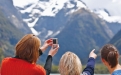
(70, 64)
(28, 48)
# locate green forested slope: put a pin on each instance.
(9, 35)
(116, 40)
(82, 33)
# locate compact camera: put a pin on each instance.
(55, 41)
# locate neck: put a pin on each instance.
(111, 70)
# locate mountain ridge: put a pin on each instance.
(116, 41)
(9, 36)
(35, 14)
(89, 30)
(13, 15)
(83, 32)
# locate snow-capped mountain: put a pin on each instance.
(76, 26)
(47, 18)
(35, 13)
(13, 15)
(112, 6)
(52, 7)
(104, 14)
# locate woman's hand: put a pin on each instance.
(92, 54)
(54, 49)
(47, 43)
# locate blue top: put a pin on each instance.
(117, 72)
(89, 70)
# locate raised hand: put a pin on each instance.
(92, 54)
(47, 43)
(54, 50)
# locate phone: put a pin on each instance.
(55, 41)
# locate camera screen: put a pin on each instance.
(54, 41)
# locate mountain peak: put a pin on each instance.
(52, 7)
(104, 14)
(33, 11)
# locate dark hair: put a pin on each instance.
(110, 53)
(28, 48)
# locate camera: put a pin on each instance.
(55, 41)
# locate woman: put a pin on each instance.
(70, 64)
(27, 52)
(110, 58)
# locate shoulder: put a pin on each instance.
(39, 69)
(6, 59)
(11, 60)
(117, 72)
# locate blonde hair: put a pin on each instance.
(28, 48)
(70, 64)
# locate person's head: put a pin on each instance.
(110, 55)
(28, 48)
(70, 64)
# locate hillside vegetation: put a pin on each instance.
(82, 33)
(9, 35)
(116, 40)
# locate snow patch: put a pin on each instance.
(105, 16)
(55, 34)
(23, 3)
(28, 10)
(26, 20)
(71, 11)
(31, 24)
(80, 4)
(69, 5)
(52, 7)
(112, 6)
(48, 8)
(49, 33)
(36, 11)
(35, 32)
